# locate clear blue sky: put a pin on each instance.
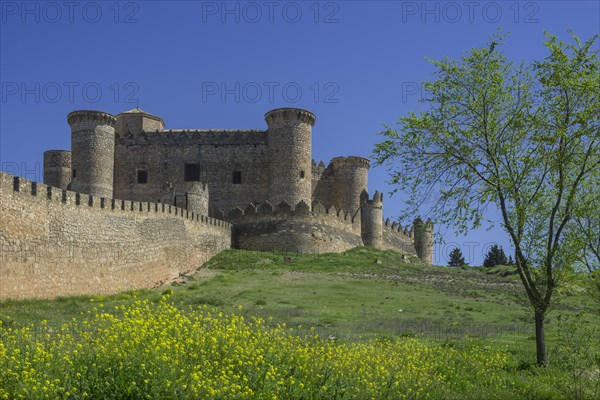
(214, 64)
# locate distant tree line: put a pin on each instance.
(494, 256)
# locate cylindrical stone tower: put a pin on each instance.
(57, 168)
(371, 220)
(290, 147)
(92, 152)
(423, 238)
(351, 178)
(197, 198)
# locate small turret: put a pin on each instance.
(350, 179)
(290, 145)
(372, 219)
(197, 198)
(423, 239)
(92, 152)
(57, 168)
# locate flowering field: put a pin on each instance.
(215, 335)
(156, 350)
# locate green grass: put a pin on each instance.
(348, 295)
(357, 296)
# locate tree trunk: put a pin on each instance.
(540, 341)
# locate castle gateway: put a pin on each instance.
(263, 182)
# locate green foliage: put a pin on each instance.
(503, 270)
(456, 258)
(578, 352)
(495, 256)
(456, 320)
(161, 351)
(358, 259)
(589, 252)
(522, 138)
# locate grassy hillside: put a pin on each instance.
(360, 293)
(357, 297)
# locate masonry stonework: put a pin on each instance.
(151, 202)
(92, 152)
(350, 180)
(290, 145)
(372, 219)
(57, 168)
(423, 238)
(56, 242)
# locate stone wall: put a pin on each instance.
(396, 238)
(305, 229)
(219, 153)
(300, 230)
(322, 183)
(55, 242)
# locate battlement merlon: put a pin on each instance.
(210, 130)
(376, 201)
(301, 211)
(11, 185)
(318, 168)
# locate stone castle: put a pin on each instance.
(249, 189)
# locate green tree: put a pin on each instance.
(524, 139)
(456, 258)
(495, 256)
(590, 248)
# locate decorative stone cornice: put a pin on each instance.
(360, 162)
(56, 152)
(285, 115)
(91, 115)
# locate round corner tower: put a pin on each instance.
(57, 168)
(290, 150)
(92, 152)
(371, 220)
(423, 239)
(351, 178)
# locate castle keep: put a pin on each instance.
(129, 177)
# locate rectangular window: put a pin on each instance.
(192, 173)
(142, 176)
(237, 177)
(301, 174)
(74, 173)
